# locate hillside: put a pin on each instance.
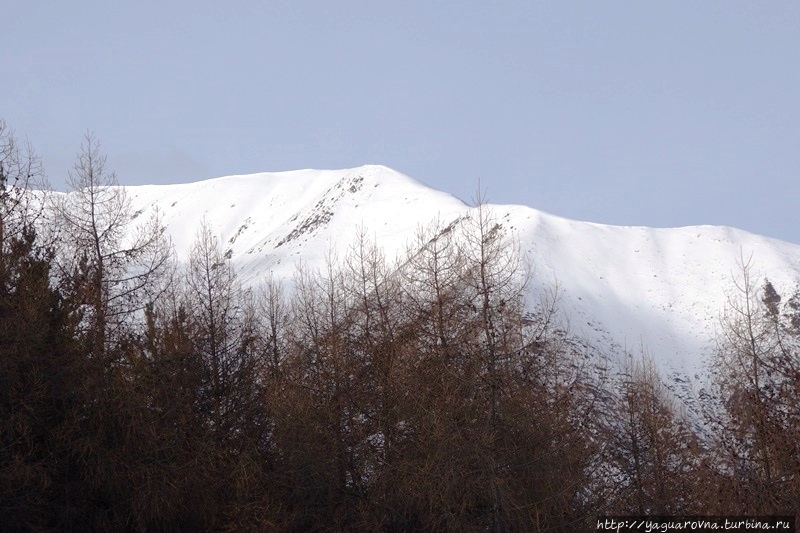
(625, 288)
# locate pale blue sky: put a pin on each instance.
(636, 113)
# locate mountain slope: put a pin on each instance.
(621, 287)
(269, 221)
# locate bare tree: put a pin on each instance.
(649, 444)
(495, 280)
(273, 314)
(756, 382)
(433, 286)
(224, 333)
(21, 171)
(116, 264)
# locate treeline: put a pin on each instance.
(137, 394)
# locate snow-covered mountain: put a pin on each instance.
(622, 287)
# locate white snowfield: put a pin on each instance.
(623, 288)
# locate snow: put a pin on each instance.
(624, 288)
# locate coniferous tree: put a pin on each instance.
(755, 415)
(38, 373)
(117, 266)
(651, 447)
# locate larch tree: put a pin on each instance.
(224, 336)
(757, 385)
(117, 264)
(649, 444)
(494, 278)
(21, 172)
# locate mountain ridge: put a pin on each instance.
(622, 287)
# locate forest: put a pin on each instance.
(142, 393)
